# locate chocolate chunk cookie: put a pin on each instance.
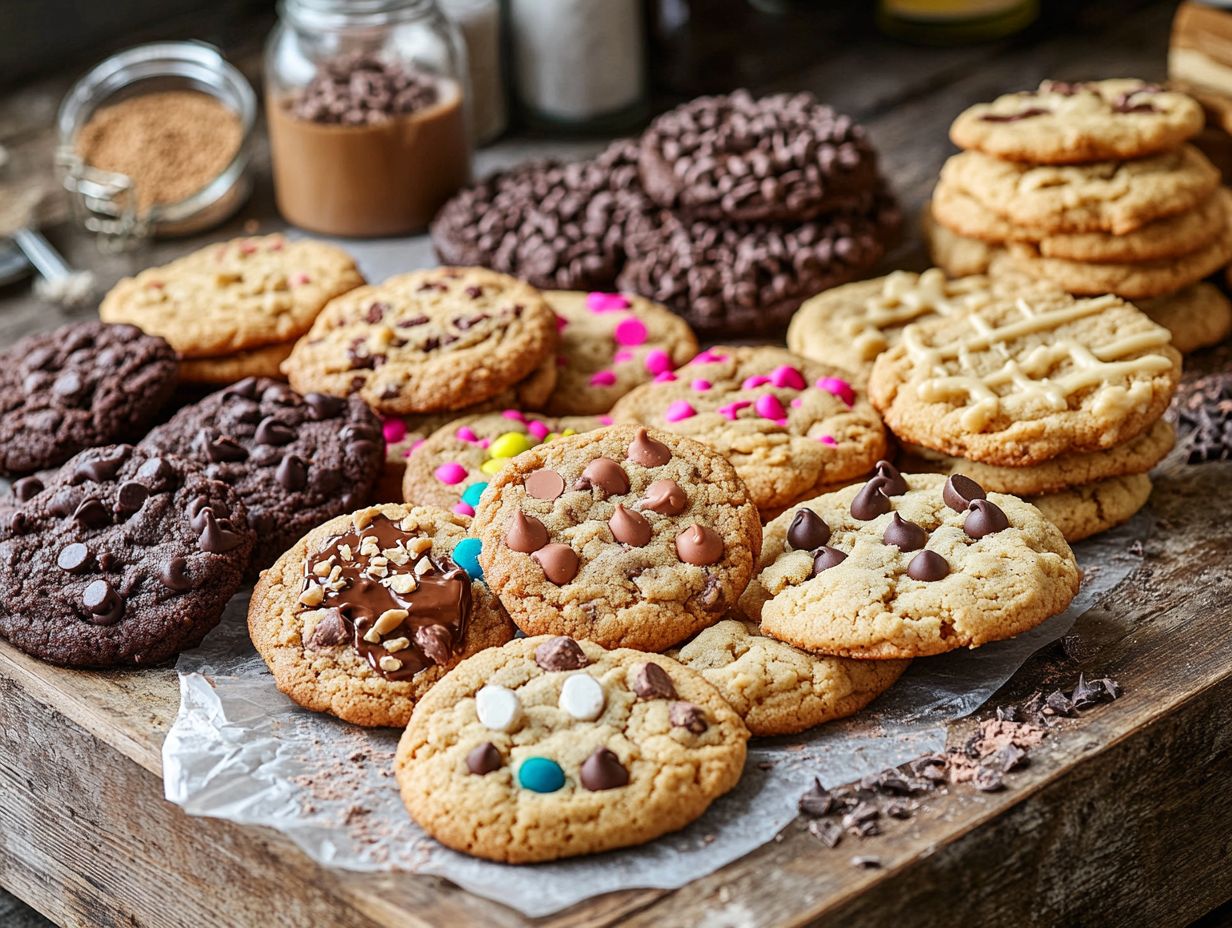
(294, 460)
(125, 558)
(364, 614)
(428, 341)
(623, 536)
(784, 157)
(81, 385)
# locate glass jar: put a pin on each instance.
(367, 102)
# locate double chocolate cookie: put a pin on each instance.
(294, 460)
(76, 387)
(124, 558)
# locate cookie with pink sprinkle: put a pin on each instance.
(452, 467)
(611, 343)
(787, 424)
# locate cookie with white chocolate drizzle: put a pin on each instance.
(1018, 382)
(365, 613)
(623, 536)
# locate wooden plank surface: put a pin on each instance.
(1134, 789)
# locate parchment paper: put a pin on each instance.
(240, 750)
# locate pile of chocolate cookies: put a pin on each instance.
(729, 210)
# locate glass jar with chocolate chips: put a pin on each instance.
(367, 109)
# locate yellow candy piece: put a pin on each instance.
(509, 445)
(493, 466)
(552, 436)
(569, 432)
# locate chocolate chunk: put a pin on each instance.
(1057, 703)
(899, 809)
(131, 497)
(862, 813)
(603, 770)
(1027, 113)
(652, 682)
(893, 483)
(827, 557)
(483, 759)
(155, 471)
(984, 518)
(1011, 757)
(27, 488)
(871, 501)
(928, 566)
(959, 491)
(561, 653)
(817, 801)
(807, 531)
(322, 406)
(105, 605)
(376, 312)
(74, 557)
(828, 833)
(330, 631)
(906, 536)
(436, 643)
(688, 716)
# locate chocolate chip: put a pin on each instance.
(413, 321)
(292, 473)
(220, 448)
(92, 513)
(27, 488)
(105, 605)
(603, 770)
(871, 501)
(131, 496)
(215, 537)
(652, 682)
(376, 312)
(817, 801)
(688, 716)
(928, 566)
(246, 388)
(605, 474)
(807, 531)
(73, 557)
(560, 653)
(984, 518)
(893, 483)
(273, 431)
(174, 575)
(436, 643)
(102, 467)
(959, 491)
(483, 759)
(67, 385)
(827, 557)
(321, 406)
(904, 535)
(156, 471)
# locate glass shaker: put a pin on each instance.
(367, 102)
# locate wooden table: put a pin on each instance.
(1122, 818)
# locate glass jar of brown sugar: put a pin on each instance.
(367, 109)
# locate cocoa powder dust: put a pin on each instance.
(171, 143)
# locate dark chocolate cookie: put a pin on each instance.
(782, 158)
(80, 386)
(556, 226)
(124, 558)
(295, 461)
(745, 278)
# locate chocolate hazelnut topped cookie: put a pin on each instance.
(366, 612)
(294, 460)
(428, 341)
(122, 558)
(621, 535)
(76, 387)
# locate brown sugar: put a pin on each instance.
(170, 143)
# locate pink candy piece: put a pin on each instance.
(394, 430)
(464, 509)
(414, 447)
(276, 245)
(247, 248)
(561, 322)
(658, 361)
(769, 407)
(701, 386)
(602, 379)
(606, 420)
(797, 402)
(514, 415)
(485, 443)
(827, 440)
(537, 429)
(467, 434)
(298, 280)
(450, 472)
(786, 376)
(708, 357)
(624, 354)
(665, 377)
(752, 383)
(838, 387)
(630, 332)
(605, 302)
(678, 410)
(731, 410)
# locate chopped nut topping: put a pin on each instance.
(322, 568)
(364, 518)
(396, 556)
(390, 664)
(389, 620)
(422, 566)
(403, 583)
(397, 644)
(312, 596)
(345, 552)
(419, 546)
(372, 636)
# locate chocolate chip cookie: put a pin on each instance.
(295, 461)
(550, 747)
(78, 386)
(622, 535)
(124, 558)
(364, 614)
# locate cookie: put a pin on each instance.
(957, 255)
(908, 566)
(780, 690)
(1169, 237)
(1071, 122)
(123, 559)
(556, 226)
(1109, 196)
(294, 460)
(1140, 280)
(787, 424)
(428, 341)
(850, 325)
(364, 614)
(231, 368)
(1198, 316)
(609, 344)
(1087, 510)
(453, 465)
(234, 296)
(622, 536)
(729, 278)
(76, 387)
(549, 748)
(784, 158)
(1019, 382)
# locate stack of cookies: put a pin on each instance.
(729, 210)
(1091, 186)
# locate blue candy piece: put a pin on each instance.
(466, 556)
(471, 494)
(541, 775)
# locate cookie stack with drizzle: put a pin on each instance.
(1092, 186)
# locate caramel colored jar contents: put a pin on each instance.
(384, 178)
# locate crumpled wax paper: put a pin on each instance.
(240, 750)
